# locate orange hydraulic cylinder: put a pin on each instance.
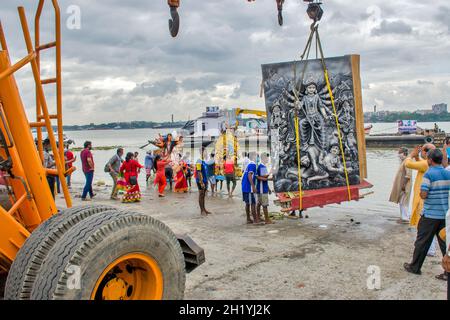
(12, 238)
(31, 217)
(20, 130)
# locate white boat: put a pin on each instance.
(207, 128)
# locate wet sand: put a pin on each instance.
(324, 257)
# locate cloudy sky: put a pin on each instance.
(122, 64)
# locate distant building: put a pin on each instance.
(377, 113)
(382, 113)
(439, 108)
(424, 112)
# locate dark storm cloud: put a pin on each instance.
(248, 86)
(156, 89)
(443, 16)
(206, 83)
(393, 27)
(425, 82)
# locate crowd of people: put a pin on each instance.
(421, 186)
(421, 189)
(174, 173)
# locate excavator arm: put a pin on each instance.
(258, 113)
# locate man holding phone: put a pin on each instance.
(417, 160)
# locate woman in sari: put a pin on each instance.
(160, 179)
(130, 170)
(181, 184)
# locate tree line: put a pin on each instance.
(125, 125)
(395, 116)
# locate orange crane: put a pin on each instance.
(90, 252)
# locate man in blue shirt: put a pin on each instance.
(201, 178)
(434, 191)
(262, 188)
(249, 189)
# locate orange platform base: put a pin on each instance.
(321, 197)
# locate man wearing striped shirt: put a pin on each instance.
(434, 191)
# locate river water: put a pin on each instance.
(382, 163)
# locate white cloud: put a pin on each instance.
(112, 84)
(123, 57)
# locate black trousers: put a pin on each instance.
(448, 286)
(426, 231)
(51, 182)
(169, 175)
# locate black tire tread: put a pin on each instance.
(30, 257)
(82, 239)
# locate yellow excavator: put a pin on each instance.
(93, 252)
(258, 113)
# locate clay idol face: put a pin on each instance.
(311, 89)
(335, 150)
(276, 115)
(305, 161)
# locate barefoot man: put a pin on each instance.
(262, 188)
(401, 188)
(202, 181)
(249, 189)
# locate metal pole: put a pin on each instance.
(24, 144)
(59, 80)
(44, 107)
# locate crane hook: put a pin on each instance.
(280, 11)
(174, 23)
(314, 11)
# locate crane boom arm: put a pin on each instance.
(259, 113)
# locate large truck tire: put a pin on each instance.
(33, 253)
(113, 255)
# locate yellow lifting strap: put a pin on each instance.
(298, 142)
(315, 31)
(338, 126)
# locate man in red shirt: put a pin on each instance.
(87, 162)
(70, 159)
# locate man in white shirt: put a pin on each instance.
(246, 161)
